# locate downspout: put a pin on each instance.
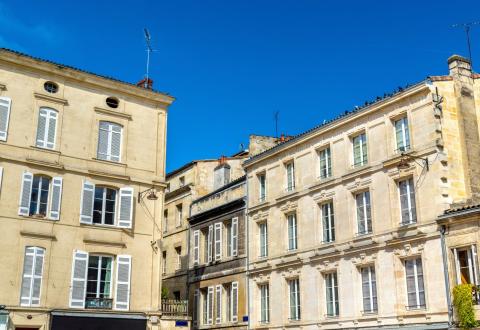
(188, 262)
(443, 230)
(247, 244)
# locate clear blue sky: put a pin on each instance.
(232, 64)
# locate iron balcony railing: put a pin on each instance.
(174, 307)
(98, 303)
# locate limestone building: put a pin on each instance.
(82, 173)
(342, 223)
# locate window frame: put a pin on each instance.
(367, 212)
(331, 284)
(327, 153)
(363, 144)
(262, 187)
(290, 176)
(39, 197)
(49, 113)
(264, 290)
(104, 201)
(405, 130)
(108, 155)
(98, 279)
(292, 216)
(294, 289)
(263, 246)
(329, 220)
(411, 201)
(415, 260)
(472, 260)
(371, 282)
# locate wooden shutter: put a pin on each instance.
(115, 142)
(457, 267)
(26, 193)
(1, 178)
(210, 305)
(86, 203)
(126, 208)
(218, 298)
(234, 237)
(79, 279)
(196, 307)
(32, 276)
(42, 128)
(218, 241)
(102, 148)
(196, 247)
(122, 292)
(209, 243)
(51, 129)
(5, 105)
(234, 296)
(56, 199)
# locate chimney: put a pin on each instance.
(459, 67)
(147, 84)
(221, 173)
(282, 137)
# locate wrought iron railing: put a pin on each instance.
(174, 307)
(98, 303)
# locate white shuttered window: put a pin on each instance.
(46, 128)
(79, 279)
(5, 105)
(109, 141)
(234, 237)
(32, 276)
(196, 247)
(122, 292)
(218, 298)
(234, 301)
(218, 240)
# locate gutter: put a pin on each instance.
(446, 276)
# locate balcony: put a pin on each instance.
(175, 307)
(98, 303)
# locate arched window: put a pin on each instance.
(109, 141)
(46, 128)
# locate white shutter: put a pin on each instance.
(196, 307)
(122, 292)
(234, 237)
(474, 260)
(1, 178)
(56, 199)
(218, 241)
(103, 133)
(210, 305)
(115, 142)
(86, 203)
(51, 129)
(25, 193)
(126, 208)
(457, 266)
(5, 104)
(32, 276)
(196, 247)
(234, 296)
(209, 243)
(79, 279)
(41, 128)
(218, 298)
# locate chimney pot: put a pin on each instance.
(459, 66)
(145, 84)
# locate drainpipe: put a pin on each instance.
(443, 230)
(248, 248)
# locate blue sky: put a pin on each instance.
(232, 64)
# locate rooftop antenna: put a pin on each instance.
(149, 50)
(275, 116)
(466, 27)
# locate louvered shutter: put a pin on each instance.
(5, 105)
(1, 178)
(32, 276)
(52, 129)
(209, 245)
(196, 307)
(79, 279)
(56, 199)
(86, 204)
(196, 247)
(41, 128)
(234, 237)
(218, 298)
(218, 241)
(125, 208)
(457, 266)
(234, 301)
(116, 141)
(102, 148)
(122, 292)
(37, 276)
(26, 193)
(210, 305)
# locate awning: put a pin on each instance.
(97, 321)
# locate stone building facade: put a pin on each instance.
(343, 218)
(78, 241)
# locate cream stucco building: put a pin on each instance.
(343, 218)
(79, 154)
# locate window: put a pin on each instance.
(50, 87)
(262, 187)
(415, 288)
(290, 168)
(46, 129)
(292, 232)
(181, 181)
(209, 306)
(369, 290)
(112, 102)
(165, 221)
(466, 265)
(176, 295)
(218, 301)
(263, 239)
(232, 238)
(407, 201)
(5, 104)
(294, 293)
(264, 304)
(164, 262)
(325, 163)
(360, 150)
(104, 206)
(331, 285)
(99, 281)
(218, 229)
(208, 257)
(402, 134)
(178, 251)
(39, 196)
(228, 227)
(32, 276)
(363, 213)
(179, 215)
(109, 141)
(196, 247)
(234, 302)
(228, 291)
(328, 223)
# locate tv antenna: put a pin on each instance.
(148, 38)
(466, 27)
(275, 117)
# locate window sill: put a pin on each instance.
(110, 162)
(37, 217)
(103, 226)
(51, 151)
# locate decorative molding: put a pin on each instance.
(363, 259)
(289, 206)
(113, 113)
(104, 243)
(260, 216)
(261, 278)
(291, 273)
(409, 250)
(38, 235)
(323, 195)
(327, 266)
(109, 175)
(45, 163)
(50, 98)
(359, 184)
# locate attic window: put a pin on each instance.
(112, 102)
(50, 87)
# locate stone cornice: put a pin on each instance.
(50, 98)
(113, 113)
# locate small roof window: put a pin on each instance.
(50, 87)
(112, 102)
